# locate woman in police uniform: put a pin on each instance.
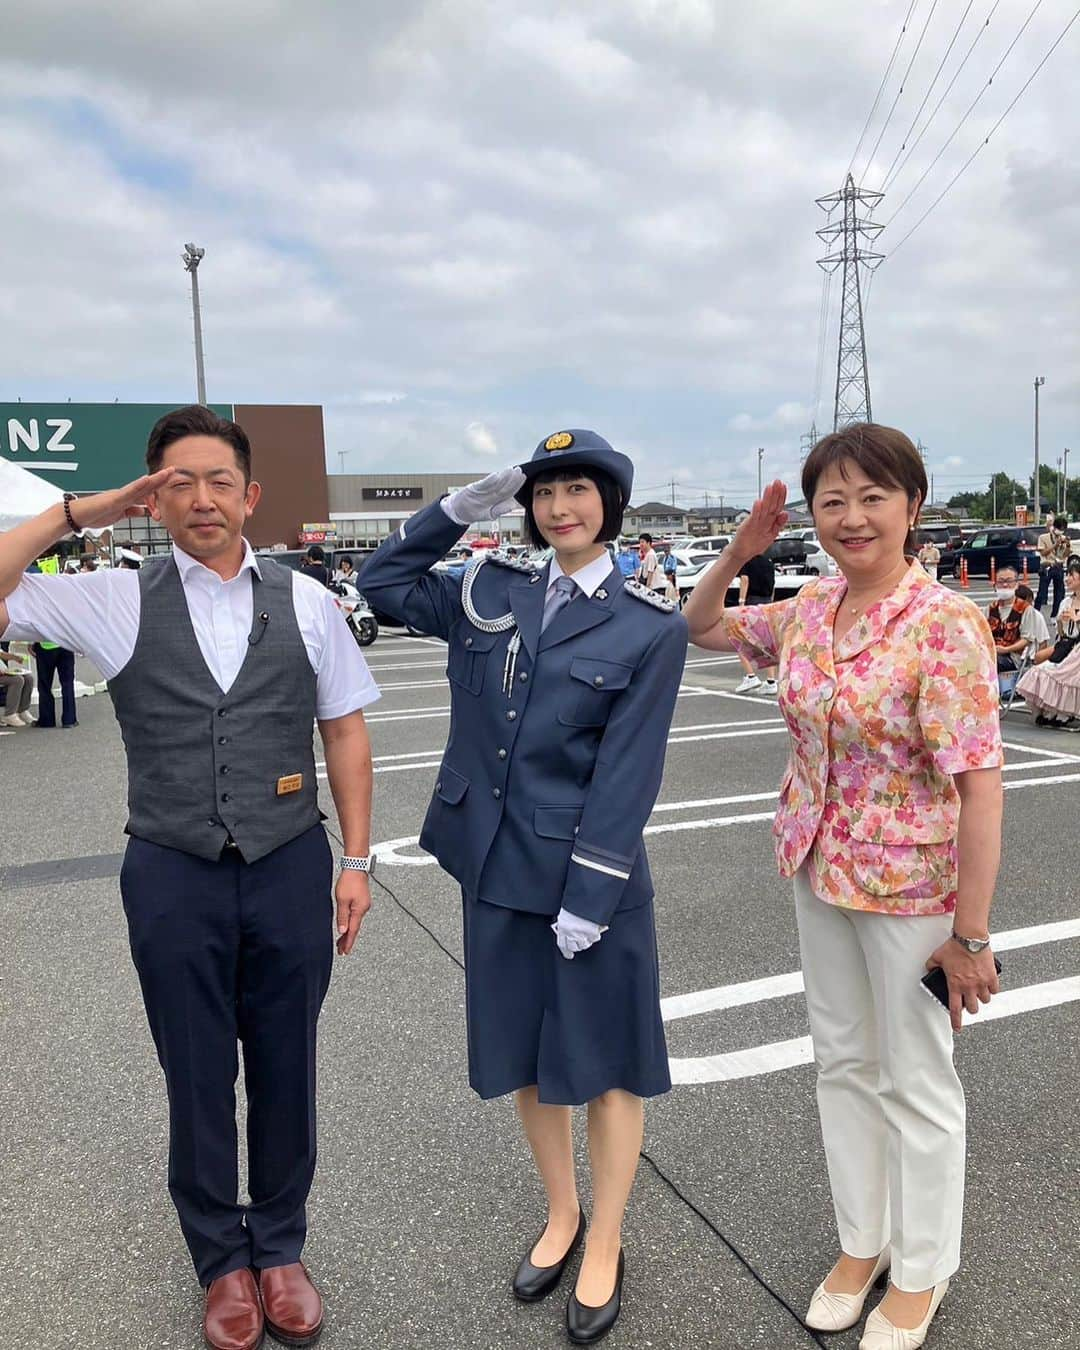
(563, 682)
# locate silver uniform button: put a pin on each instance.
(534, 579)
(511, 716)
(598, 680)
(496, 793)
(523, 676)
(502, 753)
(468, 642)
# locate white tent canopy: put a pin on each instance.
(24, 495)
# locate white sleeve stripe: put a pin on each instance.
(599, 867)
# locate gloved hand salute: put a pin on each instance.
(487, 498)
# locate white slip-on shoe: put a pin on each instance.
(880, 1334)
(747, 683)
(837, 1312)
(769, 687)
(11, 720)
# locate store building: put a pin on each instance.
(366, 508)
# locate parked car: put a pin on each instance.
(1008, 545)
(949, 541)
(801, 556)
(711, 543)
(688, 576)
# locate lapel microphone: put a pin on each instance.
(255, 638)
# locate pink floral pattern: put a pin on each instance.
(878, 728)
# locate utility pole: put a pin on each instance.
(1057, 494)
(1040, 380)
(673, 492)
(993, 485)
(760, 457)
(852, 402)
(807, 441)
(192, 257)
(341, 461)
(1065, 482)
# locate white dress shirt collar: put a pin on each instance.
(587, 578)
(190, 568)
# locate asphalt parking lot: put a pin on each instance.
(425, 1197)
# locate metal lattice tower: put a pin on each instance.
(852, 373)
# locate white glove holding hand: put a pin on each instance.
(486, 499)
(574, 934)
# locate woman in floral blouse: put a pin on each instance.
(890, 824)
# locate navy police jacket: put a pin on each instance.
(544, 790)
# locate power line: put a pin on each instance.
(944, 96)
(986, 140)
(929, 91)
(903, 83)
(881, 87)
(971, 109)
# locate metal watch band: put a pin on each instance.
(359, 864)
(973, 945)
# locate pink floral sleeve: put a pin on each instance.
(757, 631)
(958, 689)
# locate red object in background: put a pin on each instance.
(485, 542)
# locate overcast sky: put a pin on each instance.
(460, 226)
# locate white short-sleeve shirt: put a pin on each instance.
(98, 613)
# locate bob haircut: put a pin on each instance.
(609, 492)
(884, 454)
(197, 421)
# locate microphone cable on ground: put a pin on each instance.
(777, 1297)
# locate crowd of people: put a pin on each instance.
(1037, 666)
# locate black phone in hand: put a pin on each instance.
(936, 983)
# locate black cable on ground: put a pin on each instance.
(776, 1297)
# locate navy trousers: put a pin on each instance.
(58, 661)
(229, 952)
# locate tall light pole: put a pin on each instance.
(192, 257)
(1040, 380)
(1065, 482)
(760, 457)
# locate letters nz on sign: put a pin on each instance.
(26, 437)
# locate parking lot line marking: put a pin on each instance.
(677, 1006)
(1062, 755)
(781, 730)
(772, 1058)
(407, 665)
(712, 661)
(769, 702)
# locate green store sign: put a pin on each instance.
(83, 447)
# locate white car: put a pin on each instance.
(710, 543)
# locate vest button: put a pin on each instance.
(212, 823)
(502, 753)
(224, 768)
(511, 716)
(223, 740)
(496, 793)
(224, 796)
(221, 712)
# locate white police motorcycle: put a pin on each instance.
(358, 616)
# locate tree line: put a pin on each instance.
(1007, 493)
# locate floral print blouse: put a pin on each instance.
(878, 727)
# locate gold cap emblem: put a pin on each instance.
(562, 440)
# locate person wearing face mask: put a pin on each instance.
(1052, 686)
(890, 825)
(1017, 626)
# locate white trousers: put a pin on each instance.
(891, 1104)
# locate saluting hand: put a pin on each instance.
(762, 526)
(106, 508)
(487, 498)
(353, 896)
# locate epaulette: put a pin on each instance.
(496, 555)
(654, 598)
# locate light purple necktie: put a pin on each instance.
(558, 597)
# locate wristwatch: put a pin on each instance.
(972, 945)
(359, 864)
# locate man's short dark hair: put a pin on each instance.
(197, 421)
(1025, 593)
(646, 537)
(317, 553)
(609, 492)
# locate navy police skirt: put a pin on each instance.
(574, 1028)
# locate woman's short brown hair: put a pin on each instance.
(884, 454)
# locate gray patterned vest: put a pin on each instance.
(206, 766)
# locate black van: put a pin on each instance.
(1008, 545)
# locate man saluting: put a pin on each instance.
(218, 662)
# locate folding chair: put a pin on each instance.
(1007, 680)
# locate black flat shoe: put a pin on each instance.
(532, 1283)
(584, 1325)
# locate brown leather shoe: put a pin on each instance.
(234, 1317)
(292, 1304)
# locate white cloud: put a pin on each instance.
(479, 439)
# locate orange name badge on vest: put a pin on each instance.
(292, 782)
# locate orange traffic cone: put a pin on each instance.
(993, 570)
(963, 574)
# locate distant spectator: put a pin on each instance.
(87, 563)
(1067, 632)
(345, 570)
(757, 580)
(16, 687)
(129, 558)
(52, 659)
(1016, 624)
(669, 563)
(313, 564)
(930, 556)
(627, 560)
(649, 572)
(1054, 548)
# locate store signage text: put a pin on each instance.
(25, 437)
(381, 494)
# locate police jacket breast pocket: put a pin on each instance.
(467, 656)
(594, 686)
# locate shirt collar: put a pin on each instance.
(190, 568)
(587, 578)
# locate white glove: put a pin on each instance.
(486, 499)
(573, 934)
